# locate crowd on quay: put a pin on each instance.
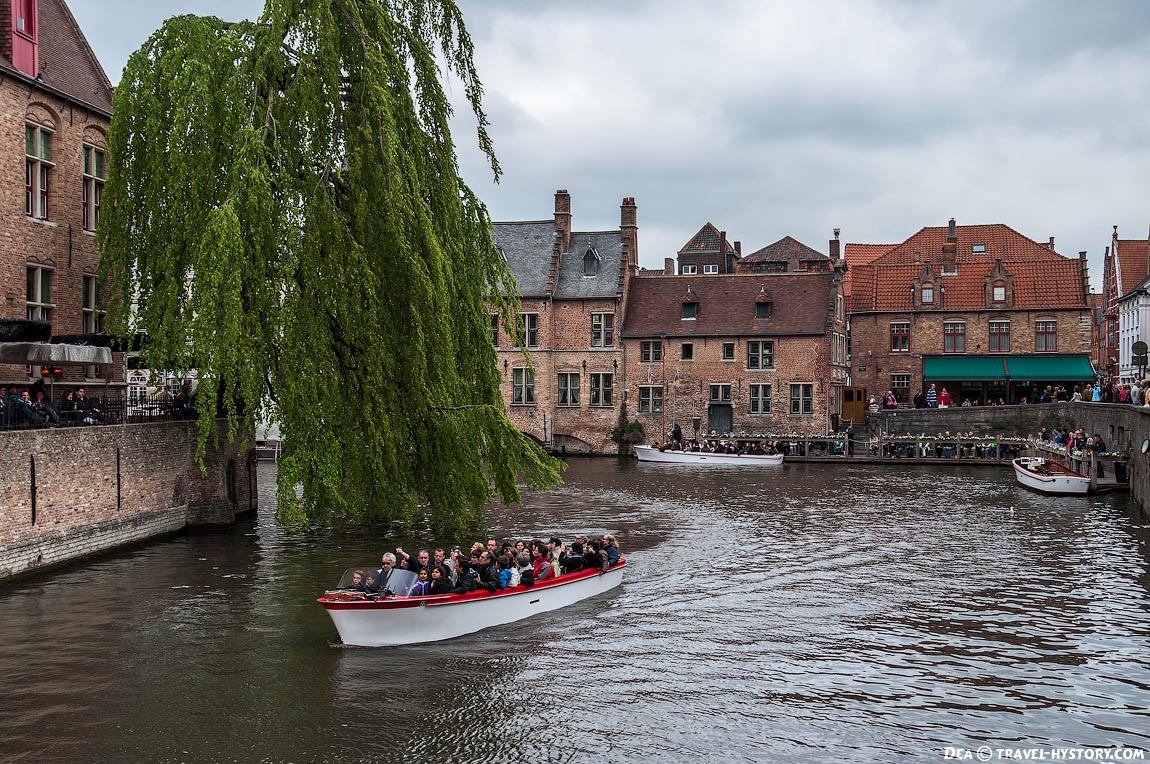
(965, 445)
(1137, 394)
(31, 407)
(488, 567)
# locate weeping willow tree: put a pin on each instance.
(284, 214)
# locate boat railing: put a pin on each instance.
(904, 448)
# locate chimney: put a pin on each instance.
(722, 251)
(950, 249)
(1085, 268)
(739, 248)
(629, 229)
(834, 250)
(1050, 246)
(563, 219)
(20, 34)
(668, 266)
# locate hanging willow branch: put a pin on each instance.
(286, 210)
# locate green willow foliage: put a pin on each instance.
(285, 208)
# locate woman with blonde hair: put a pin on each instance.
(611, 549)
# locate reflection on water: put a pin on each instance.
(810, 613)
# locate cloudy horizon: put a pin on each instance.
(878, 117)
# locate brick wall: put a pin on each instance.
(870, 340)
(59, 242)
(97, 488)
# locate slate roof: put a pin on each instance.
(67, 63)
(573, 285)
(801, 305)
(784, 250)
(527, 247)
(1038, 284)
(706, 240)
(1133, 259)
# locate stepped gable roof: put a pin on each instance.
(999, 242)
(801, 305)
(527, 247)
(67, 63)
(1133, 259)
(706, 240)
(573, 285)
(784, 250)
(1038, 284)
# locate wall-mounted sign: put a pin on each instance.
(862, 368)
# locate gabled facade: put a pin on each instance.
(738, 353)
(55, 106)
(789, 255)
(572, 287)
(981, 310)
(1124, 272)
(708, 253)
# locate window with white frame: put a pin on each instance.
(728, 351)
(39, 293)
(601, 389)
(760, 399)
(95, 173)
(999, 336)
(602, 330)
(954, 337)
(568, 390)
(650, 399)
(529, 328)
(137, 388)
(802, 399)
(900, 386)
(522, 387)
(710, 269)
(1045, 336)
(900, 337)
(93, 317)
(688, 270)
(760, 354)
(38, 168)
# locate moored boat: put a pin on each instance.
(368, 620)
(652, 454)
(1048, 476)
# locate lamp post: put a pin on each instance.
(663, 392)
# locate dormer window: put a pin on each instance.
(999, 293)
(978, 249)
(762, 310)
(591, 262)
(690, 311)
(689, 270)
(926, 296)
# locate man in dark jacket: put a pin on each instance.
(486, 577)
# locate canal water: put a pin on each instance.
(811, 613)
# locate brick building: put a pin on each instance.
(572, 296)
(708, 252)
(1125, 318)
(55, 106)
(737, 352)
(981, 310)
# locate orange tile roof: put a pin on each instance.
(1133, 259)
(861, 254)
(1038, 284)
(999, 242)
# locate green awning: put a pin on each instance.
(964, 368)
(1050, 368)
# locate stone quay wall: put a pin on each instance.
(1122, 426)
(67, 493)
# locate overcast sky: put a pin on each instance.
(770, 119)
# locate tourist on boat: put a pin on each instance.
(492, 545)
(422, 561)
(593, 559)
(356, 584)
(370, 581)
(524, 569)
(386, 565)
(504, 575)
(541, 568)
(572, 561)
(422, 585)
(611, 549)
(486, 576)
(440, 581)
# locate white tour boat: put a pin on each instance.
(1049, 476)
(373, 620)
(652, 454)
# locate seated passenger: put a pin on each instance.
(541, 568)
(486, 576)
(370, 582)
(593, 559)
(440, 580)
(505, 574)
(356, 584)
(421, 587)
(465, 576)
(611, 549)
(573, 560)
(523, 566)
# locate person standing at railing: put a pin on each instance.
(932, 397)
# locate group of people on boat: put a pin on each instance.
(489, 567)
